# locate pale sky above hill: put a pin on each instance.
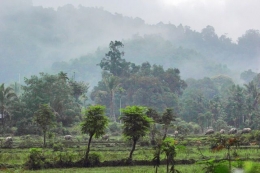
(231, 17)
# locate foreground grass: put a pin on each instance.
(131, 169)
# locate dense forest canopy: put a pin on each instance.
(70, 58)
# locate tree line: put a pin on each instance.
(209, 102)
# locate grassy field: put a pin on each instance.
(132, 169)
(117, 149)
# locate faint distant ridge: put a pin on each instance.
(34, 39)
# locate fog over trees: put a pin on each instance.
(73, 57)
(72, 39)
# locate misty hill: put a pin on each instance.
(34, 39)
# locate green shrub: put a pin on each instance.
(114, 127)
(68, 157)
(35, 159)
(94, 159)
(251, 167)
(26, 143)
(145, 142)
(58, 147)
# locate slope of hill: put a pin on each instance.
(32, 39)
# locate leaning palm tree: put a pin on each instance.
(63, 76)
(7, 97)
(111, 83)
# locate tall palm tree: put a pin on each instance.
(252, 99)
(63, 76)
(111, 83)
(7, 97)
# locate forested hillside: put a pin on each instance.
(74, 39)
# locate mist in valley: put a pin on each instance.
(193, 60)
(73, 36)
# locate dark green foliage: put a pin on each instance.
(7, 98)
(58, 147)
(52, 89)
(78, 89)
(94, 124)
(151, 86)
(94, 159)
(212, 166)
(167, 119)
(114, 127)
(113, 62)
(235, 107)
(35, 159)
(136, 124)
(169, 149)
(45, 119)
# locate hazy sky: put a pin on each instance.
(231, 17)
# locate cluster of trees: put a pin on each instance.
(130, 84)
(208, 102)
(219, 103)
(137, 122)
(20, 102)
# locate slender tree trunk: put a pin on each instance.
(167, 164)
(113, 108)
(88, 149)
(153, 132)
(112, 112)
(44, 139)
(165, 132)
(133, 149)
(3, 121)
(229, 159)
(173, 166)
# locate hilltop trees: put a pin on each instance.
(112, 62)
(147, 85)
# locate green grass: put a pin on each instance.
(17, 156)
(131, 169)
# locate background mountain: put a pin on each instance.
(74, 40)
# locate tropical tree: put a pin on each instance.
(94, 124)
(235, 107)
(111, 82)
(252, 96)
(169, 149)
(113, 62)
(248, 75)
(136, 124)
(167, 120)
(152, 113)
(78, 89)
(52, 89)
(45, 118)
(63, 76)
(7, 97)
